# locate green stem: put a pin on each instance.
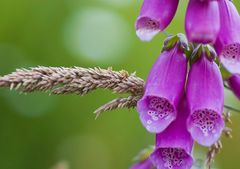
(227, 87)
(166, 33)
(232, 108)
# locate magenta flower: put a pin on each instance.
(154, 17)
(234, 83)
(228, 41)
(174, 145)
(163, 90)
(202, 22)
(146, 164)
(205, 96)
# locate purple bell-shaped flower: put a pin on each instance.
(154, 17)
(163, 89)
(205, 96)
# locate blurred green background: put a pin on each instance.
(38, 131)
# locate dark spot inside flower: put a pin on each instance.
(159, 108)
(231, 52)
(151, 24)
(148, 23)
(205, 120)
(173, 157)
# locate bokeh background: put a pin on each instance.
(38, 131)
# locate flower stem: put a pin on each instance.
(227, 87)
(166, 33)
(232, 108)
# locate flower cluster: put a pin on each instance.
(183, 99)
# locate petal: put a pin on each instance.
(172, 158)
(202, 23)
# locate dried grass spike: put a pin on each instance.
(129, 102)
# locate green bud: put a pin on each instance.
(179, 39)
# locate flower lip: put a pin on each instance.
(205, 126)
(171, 158)
(156, 113)
(147, 28)
(230, 57)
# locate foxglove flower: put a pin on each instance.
(174, 145)
(234, 83)
(202, 22)
(228, 41)
(163, 90)
(146, 164)
(205, 96)
(154, 17)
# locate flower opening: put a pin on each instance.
(159, 113)
(172, 158)
(147, 28)
(205, 125)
